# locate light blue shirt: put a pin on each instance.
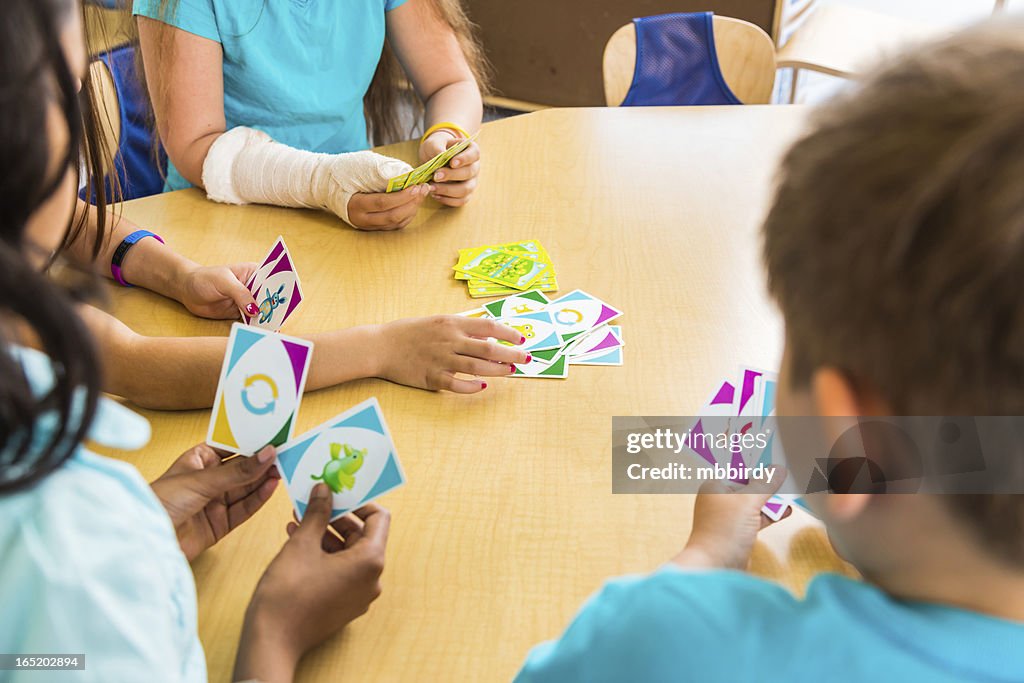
(90, 563)
(729, 626)
(295, 69)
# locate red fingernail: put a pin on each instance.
(522, 340)
(511, 368)
(529, 358)
(483, 385)
(251, 309)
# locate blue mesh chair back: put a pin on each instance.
(140, 163)
(676, 63)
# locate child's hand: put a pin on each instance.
(383, 211)
(206, 497)
(726, 519)
(454, 183)
(317, 584)
(427, 352)
(218, 291)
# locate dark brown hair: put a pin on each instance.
(895, 245)
(35, 75)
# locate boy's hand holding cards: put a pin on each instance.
(275, 286)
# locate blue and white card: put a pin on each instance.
(352, 453)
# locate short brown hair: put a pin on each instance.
(895, 245)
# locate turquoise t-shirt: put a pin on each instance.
(90, 564)
(728, 626)
(295, 69)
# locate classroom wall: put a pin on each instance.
(549, 51)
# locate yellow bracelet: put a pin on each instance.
(445, 125)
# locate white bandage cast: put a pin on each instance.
(246, 166)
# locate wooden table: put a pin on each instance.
(508, 521)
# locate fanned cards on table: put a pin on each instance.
(571, 330)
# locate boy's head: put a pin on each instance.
(895, 249)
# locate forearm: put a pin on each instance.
(458, 102)
(181, 373)
(263, 652)
(148, 264)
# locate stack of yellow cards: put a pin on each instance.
(500, 269)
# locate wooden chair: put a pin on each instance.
(845, 41)
(126, 127)
(746, 57)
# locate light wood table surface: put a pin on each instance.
(507, 522)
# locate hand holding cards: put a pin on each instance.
(739, 406)
(257, 403)
(425, 171)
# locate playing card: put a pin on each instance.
(264, 269)
(476, 313)
(260, 388)
(425, 171)
(479, 289)
(558, 368)
(353, 454)
(716, 408)
(578, 312)
(507, 268)
(517, 304)
(607, 357)
(276, 288)
(600, 339)
(538, 328)
(777, 505)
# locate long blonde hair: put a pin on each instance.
(390, 87)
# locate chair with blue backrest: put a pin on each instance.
(688, 59)
(123, 111)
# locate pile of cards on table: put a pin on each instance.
(498, 269)
(745, 403)
(571, 330)
(257, 403)
(275, 286)
(425, 171)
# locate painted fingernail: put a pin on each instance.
(252, 309)
(511, 368)
(529, 358)
(483, 385)
(522, 340)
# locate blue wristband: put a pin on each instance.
(126, 244)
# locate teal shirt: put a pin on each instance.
(89, 563)
(729, 626)
(295, 69)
